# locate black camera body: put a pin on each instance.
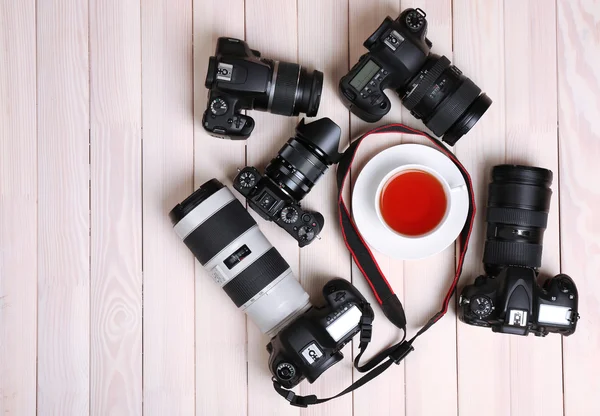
(513, 303)
(507, 298)
(239, 79)
(270, 202)
(430, 87)
(276, 195)
(313, 342)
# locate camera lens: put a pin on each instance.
(294, 90)
(305, 157)
(448, 102)
(517, 215)
(228, 243)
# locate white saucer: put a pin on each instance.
(386, 241)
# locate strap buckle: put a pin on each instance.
(300, 401)
(366, 329)
(401, 352)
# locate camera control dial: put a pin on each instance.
(218, 106)
(306, 233)
(415, 20)
(289, 215)
(481, 306)
(247, 179)
(285, 371)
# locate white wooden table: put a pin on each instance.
(104, 311)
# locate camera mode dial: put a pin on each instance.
(247, 179)
(218, 106)
(289, 215)
(306, 233)
(415, 20)
(481, 306)
(285, 371)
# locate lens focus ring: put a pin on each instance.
(284, 93)
(451, 109)
(517, 217)
(512, 254)
(256, 277)
(426, 83)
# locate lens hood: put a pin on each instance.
(322, 135)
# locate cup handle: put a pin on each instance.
(459, 188)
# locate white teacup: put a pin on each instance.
(415, 167)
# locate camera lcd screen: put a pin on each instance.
(364, 75)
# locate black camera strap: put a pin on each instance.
(384, 294)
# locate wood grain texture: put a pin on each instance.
(478, 30)
(388, 389)
(168, 171)
(63, 208)
(116, 208)
(432, 367)
(326, 24)
(220, 326)
(103, 310)
(531, 139)
(18, 209)
(271, 28)
(579, 111)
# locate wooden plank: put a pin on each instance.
(479, 53)
(531, 139)
(432, 367)
(116, 208)
(388, 390)
(168, 171)
(276, 38)
(63, 207)
(18, 209)
(220, 357)
(322, 40)
(578, 92)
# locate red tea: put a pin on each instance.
(413, 202)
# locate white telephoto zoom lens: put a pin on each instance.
(229, 245)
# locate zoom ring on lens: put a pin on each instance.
(425, 84)
(512, 254)
(286, 84)
(451, 109)
(517, 216)
(256, 277)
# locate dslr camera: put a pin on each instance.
(434, 90)
(306, 340)
(276, 195)
(239, 79)
(507, 298)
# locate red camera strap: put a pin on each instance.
(360, 251)
(364, 259)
